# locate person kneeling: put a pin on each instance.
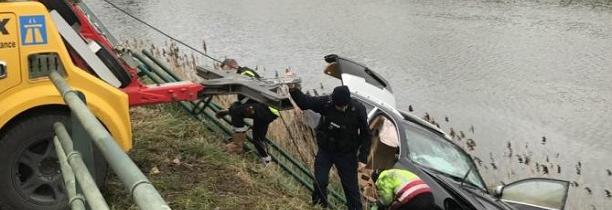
(402, 189)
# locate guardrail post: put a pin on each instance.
(74, 158)
(82, 140)
(75, 200)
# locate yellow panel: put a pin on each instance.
(9, 51)
(35, 32)
(112, 113)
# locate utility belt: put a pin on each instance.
(338, 135)
(338, 141)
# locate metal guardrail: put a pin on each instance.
(73, 163)
(159, 73)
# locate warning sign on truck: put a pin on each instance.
(33, 30)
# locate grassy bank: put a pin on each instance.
(186, 163)
(290, 131)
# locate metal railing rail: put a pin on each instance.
(63, 144)
(159, 73)
(75, 200)
(140, 188)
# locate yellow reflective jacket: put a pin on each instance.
(392, 182)
(250, 73)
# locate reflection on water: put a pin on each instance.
(516, 72)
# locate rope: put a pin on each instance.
(216, 60)
(285, 89)
(316, 183)
(292, 138)
(161, 32)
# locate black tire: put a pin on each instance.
(113, 64)
(29, 171)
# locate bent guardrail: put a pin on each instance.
(73, 164)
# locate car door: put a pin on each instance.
(536, 194)
(361, 80)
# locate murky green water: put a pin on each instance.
(515, 71)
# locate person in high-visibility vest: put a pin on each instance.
(402, 189)
(245, 107)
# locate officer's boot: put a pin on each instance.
(237, 144)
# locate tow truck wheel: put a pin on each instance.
(30, 176)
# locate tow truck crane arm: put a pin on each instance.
(267, 91)
(108, 55)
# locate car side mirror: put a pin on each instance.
(499, 190)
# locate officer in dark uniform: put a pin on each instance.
(245, 107)
(343, 139)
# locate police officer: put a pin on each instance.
(343, 139)
(402, 189)
(245, 107)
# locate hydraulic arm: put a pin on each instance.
(91, 49)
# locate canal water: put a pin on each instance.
(515, 71)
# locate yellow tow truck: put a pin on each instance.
(31, 47)
(38, 37)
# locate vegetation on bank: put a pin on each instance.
(187, 164)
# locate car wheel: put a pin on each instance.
(30, 176)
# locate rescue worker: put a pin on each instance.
(245, 107)
(343, 140)
(402, 189)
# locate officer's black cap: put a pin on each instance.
(341, 96)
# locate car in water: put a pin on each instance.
(429, 152)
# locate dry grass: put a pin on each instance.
(186, 163)
(297, 138)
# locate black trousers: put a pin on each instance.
(346, 164)
(421, 202)
(261, 121)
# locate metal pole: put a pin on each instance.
(75, 201)
(156, 69)
(84, 143)
(150, 74)
(139, 186)
(161, 64)
(88, 185)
